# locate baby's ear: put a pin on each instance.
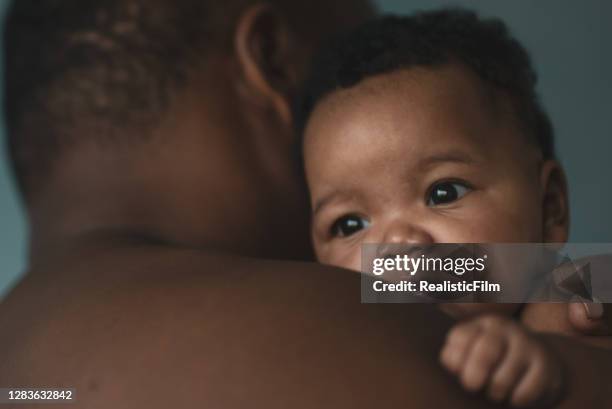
(555, 205)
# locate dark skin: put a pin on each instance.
(143, 291)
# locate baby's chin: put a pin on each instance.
(469, 310)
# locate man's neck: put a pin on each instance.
(163, 195)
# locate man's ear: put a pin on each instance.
(555, 206)
(264, 49)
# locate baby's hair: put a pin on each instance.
(431, 39)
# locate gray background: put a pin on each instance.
(569, 43)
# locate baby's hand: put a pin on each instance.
(501, 355)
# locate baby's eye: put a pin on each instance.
(446, 192)
(348, 225)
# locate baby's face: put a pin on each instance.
(420, 156)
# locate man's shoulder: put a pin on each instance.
(149, 328)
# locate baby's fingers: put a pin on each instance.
(540, 385)
(590, 317)
(508, 373)
(485, 354)
(457, 347)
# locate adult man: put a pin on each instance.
(152, 142)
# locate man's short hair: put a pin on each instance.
(431, 39)
(74, 67)
(104, 70)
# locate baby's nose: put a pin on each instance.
(390, 250)
(408, 234)
(404, 239)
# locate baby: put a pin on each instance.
(428, 129)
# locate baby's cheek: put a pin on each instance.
(475, 228)
(339, 254)
(509, 215)
(488, 224)
(506, 227)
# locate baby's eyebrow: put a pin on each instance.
(324, 201)
(454, 156)
(328, 198)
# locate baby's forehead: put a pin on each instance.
(431, 102)
(406, 125)
(431, 85)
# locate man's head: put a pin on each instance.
(427, 129)
(177, 103)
